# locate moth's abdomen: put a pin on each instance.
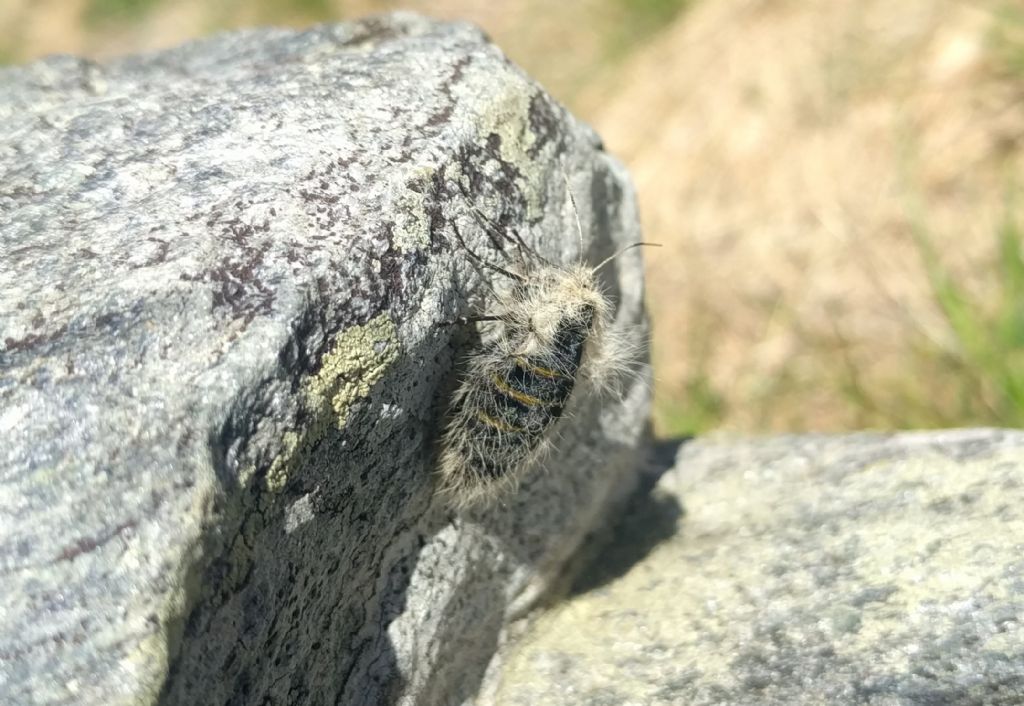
(506, 407)
(508, 413)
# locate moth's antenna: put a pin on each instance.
(575, 212)
(628, 247)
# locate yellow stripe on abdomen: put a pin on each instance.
(496, 423)
(537, 370)
(528, 400)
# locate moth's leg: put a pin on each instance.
(481, 261)
(466, 320)
(504, 233)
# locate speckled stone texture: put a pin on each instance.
(224, 270)
(862, 569)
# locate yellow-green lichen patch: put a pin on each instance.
(412, 224)
(356, 361)
(280, 468)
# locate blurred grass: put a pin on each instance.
(1007, 38)
(985, 365)
(635, 21)
(974, 376)
(698, 406)
(104, 12)
(969, 373)
(98, 15)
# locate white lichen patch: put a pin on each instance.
(298, 513)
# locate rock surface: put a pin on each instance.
(858, 569)
(221, 375)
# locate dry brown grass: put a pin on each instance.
(785, 153)
(791, 155)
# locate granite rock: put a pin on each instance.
(224, 270)
(861, 569)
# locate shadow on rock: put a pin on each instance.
(649, 517)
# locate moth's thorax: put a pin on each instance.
(560, 298)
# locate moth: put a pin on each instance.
(550, 333)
